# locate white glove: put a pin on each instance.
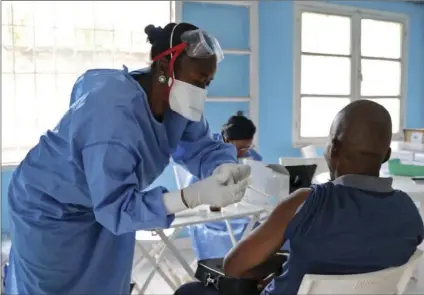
(209, 191)
(231, 173)
(212, 192)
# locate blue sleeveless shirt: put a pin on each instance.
(355, 224)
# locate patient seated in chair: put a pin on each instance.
(355, 223)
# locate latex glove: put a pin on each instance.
(208, 191)
(231, 173)
(211, 191)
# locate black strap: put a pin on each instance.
(132, 285)
(211, 273)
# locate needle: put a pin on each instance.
(256, 190)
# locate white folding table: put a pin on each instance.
(199, 215)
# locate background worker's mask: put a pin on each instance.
(184, 98)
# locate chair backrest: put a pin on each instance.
(293, 161)
(388, 281)
(309, 151)
(182, 176)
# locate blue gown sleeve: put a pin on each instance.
(107, 129)
(118, 203)
(254, 154)
(76, 90)
(199, 153)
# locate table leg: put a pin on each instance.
(176, 253)
(250, 225)
(158, 260)
(156, 266)
(149, 278)
(230, 232)
(152, 252)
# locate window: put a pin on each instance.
(46, 45)
(344, 54)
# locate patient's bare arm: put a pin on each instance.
(265, 240)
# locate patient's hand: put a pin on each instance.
(262, 281)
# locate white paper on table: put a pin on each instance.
(267, 181)
(419, 157)
(407, 146)
(416, 137)
(402, 155)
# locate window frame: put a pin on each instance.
(21, 150)
(356, 15)
(252, 52)
(176, 13)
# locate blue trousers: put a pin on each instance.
(198, 288)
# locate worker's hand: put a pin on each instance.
(211, 191)
(231, 173)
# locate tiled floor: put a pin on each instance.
(158, 285)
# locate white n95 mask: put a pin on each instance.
(187, 100)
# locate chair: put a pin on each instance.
(388, 281)
(309, 151)
(157, 251)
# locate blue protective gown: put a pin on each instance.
(80, 194)
(212, 240)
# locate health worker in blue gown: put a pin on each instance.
(212, 240)
(82, 192)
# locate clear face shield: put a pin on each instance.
(196, 44)
(187, 99)
(200, 44)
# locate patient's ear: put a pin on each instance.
(336, 146)
(387, 157)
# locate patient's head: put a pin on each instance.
(239, 131)
(359, 141)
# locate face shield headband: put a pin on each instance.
(196, 44)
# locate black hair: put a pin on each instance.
(159, 37)
(238, 127)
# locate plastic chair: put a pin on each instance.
(388, 281)
(158, 251)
